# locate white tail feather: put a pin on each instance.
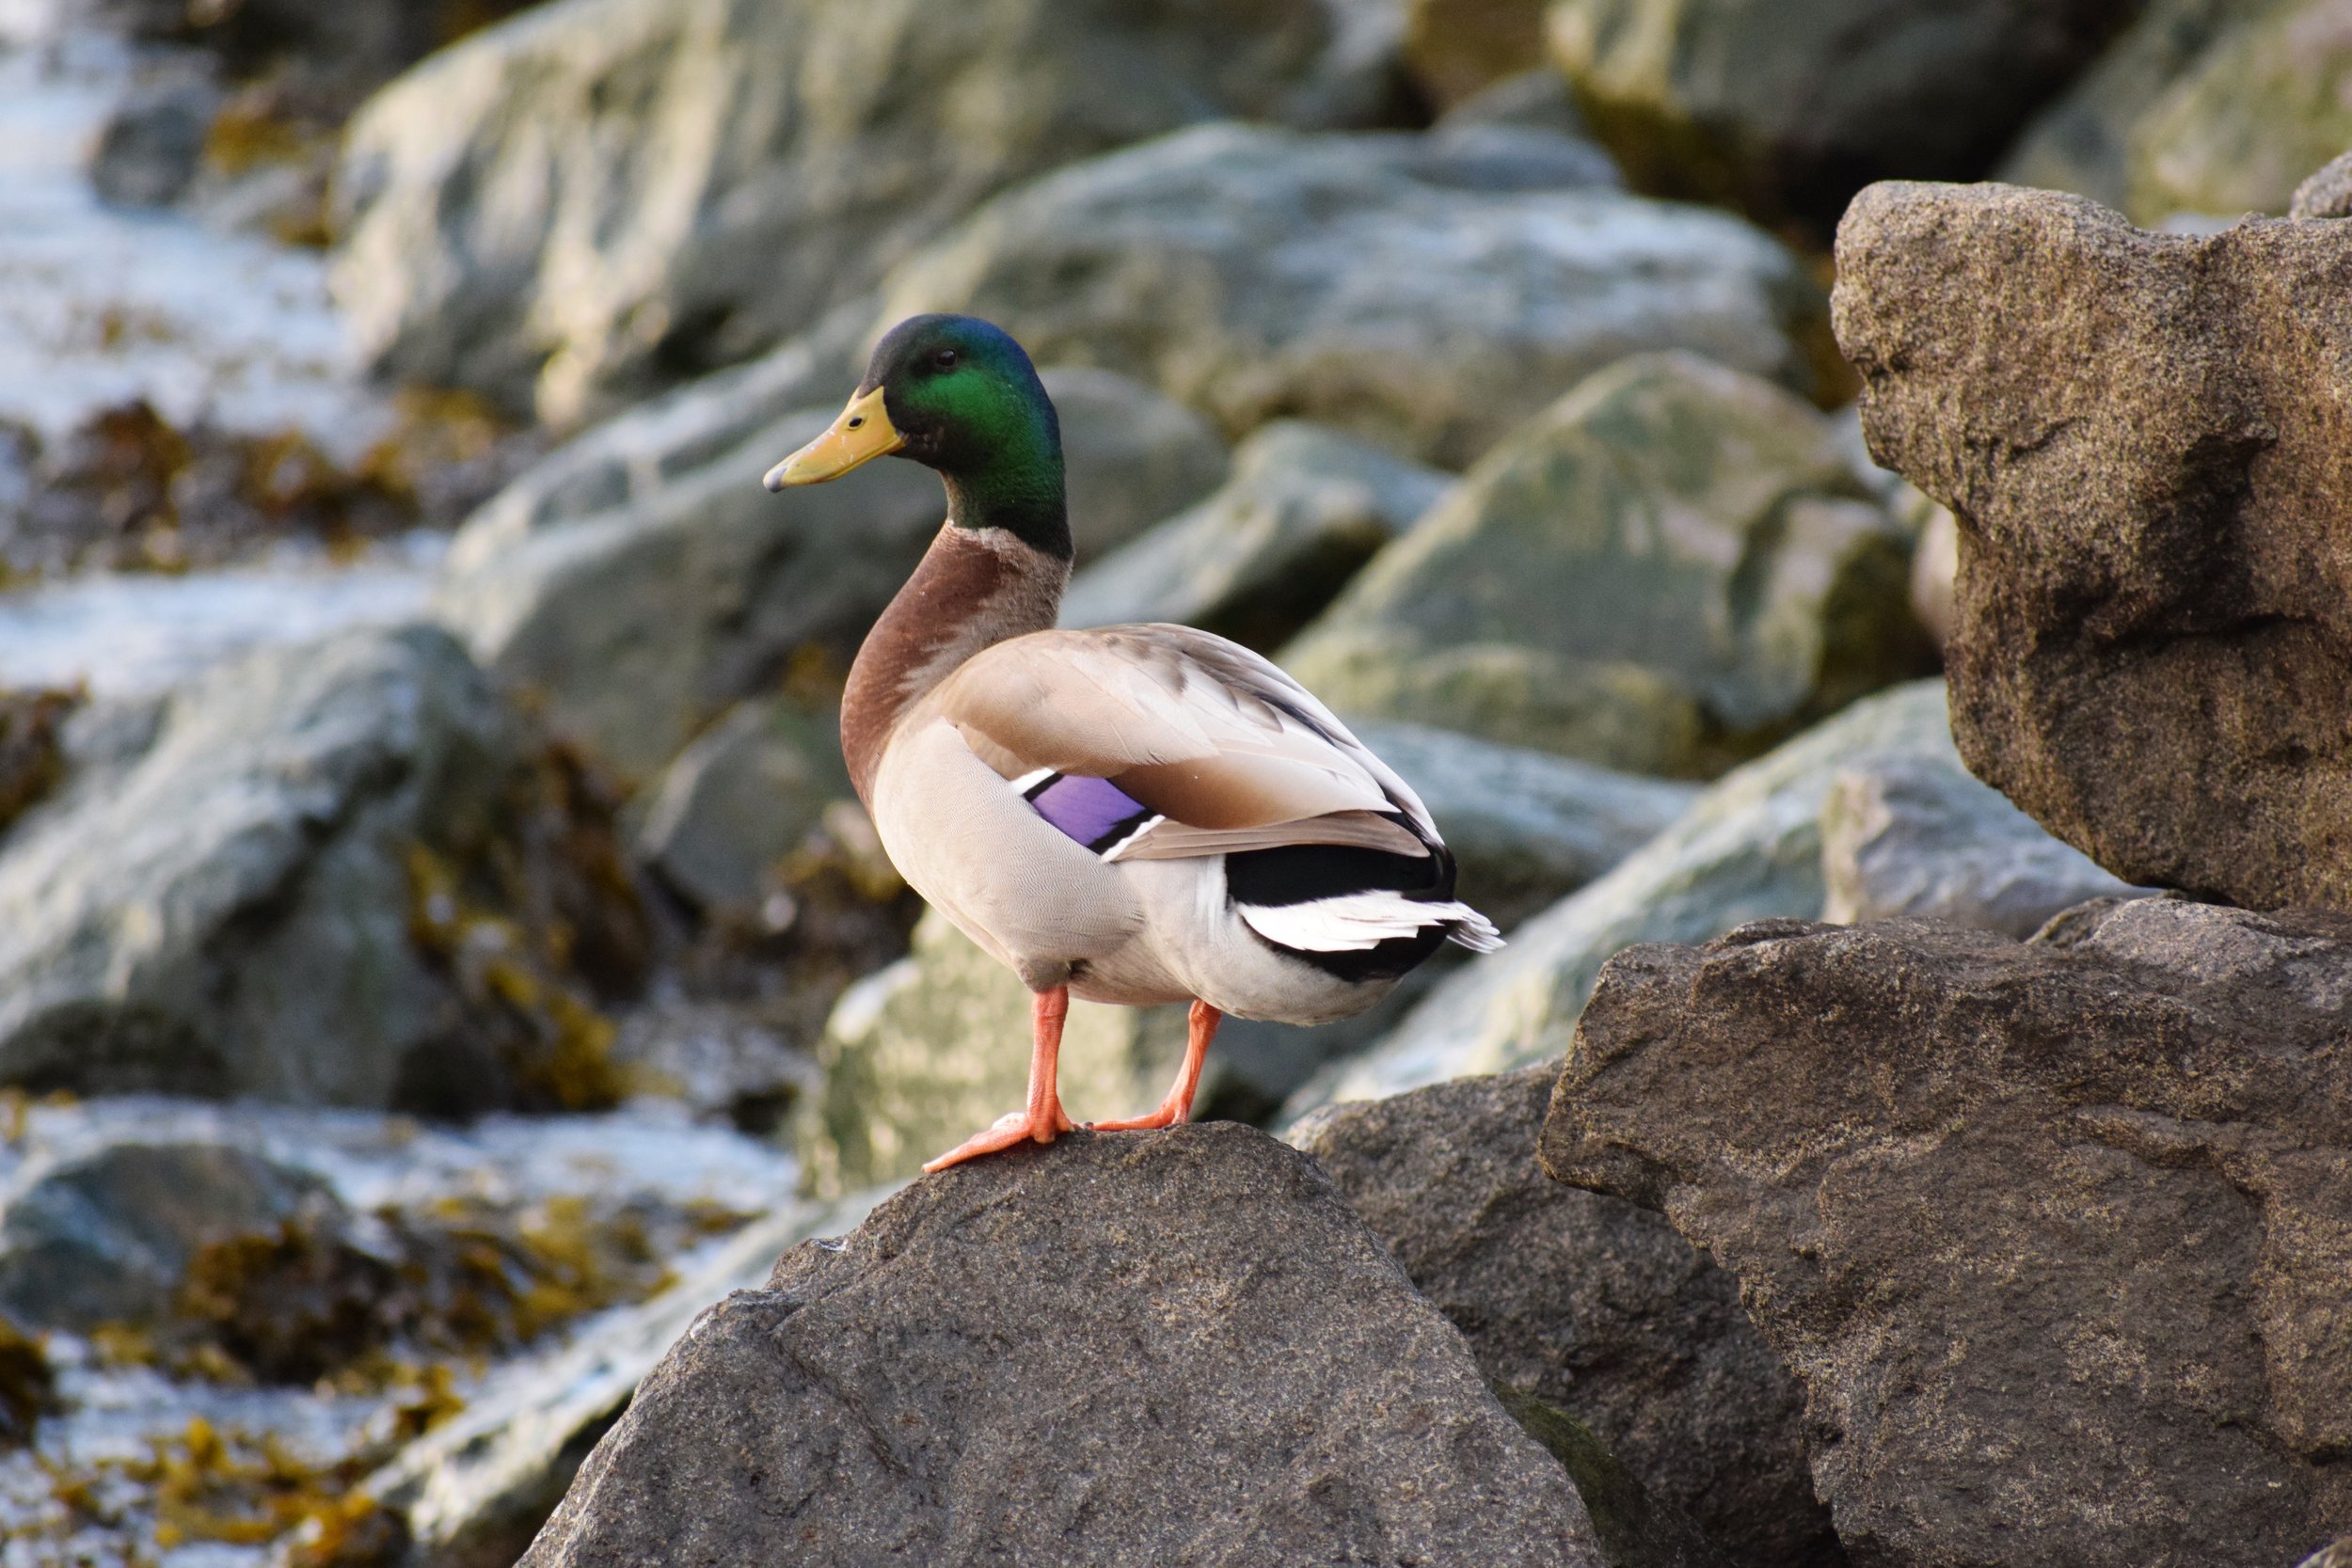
(1355, 922)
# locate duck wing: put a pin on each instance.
(1217, 747)
(1163, 742)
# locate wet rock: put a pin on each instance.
(1789, 109)
(148, 150)
(1925, 839)
(720, 819)
(2143, 574)
(2058, 1221)
(27, 1386)
(738, 1063)
(1586, 1301)
(1454, 49)
(334, 52)
(107, 1239)
(1667, 571)
(1304, 510)
(31, 760)
(476, 1489)
(640, 581)
(880, 1393)
(296, 878)
(703, 180)
(2326, 194)
(1748, 849)
(1423, 292)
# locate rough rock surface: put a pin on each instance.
(602, 197)
(107, 1239)
(640, 580)
(1789, 108)
(1592, 1305)
(1925, 839)
(474, 1490)
(1304, 509)
(744, 796)
(218, 900)
(1427, 292)
(1669, 570)
(1748, 849)
(2328, 194)
(2060, 1223)
(887, 1394)
(2142, 438)
(929, 1051)
(2204, 106)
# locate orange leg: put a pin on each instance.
(1043, 1119)
(1177, 1107)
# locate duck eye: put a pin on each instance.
(944, 359)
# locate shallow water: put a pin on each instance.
(134, 634)
(100, 305)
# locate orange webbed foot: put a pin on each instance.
(1166, 1115)
(1006, 1132)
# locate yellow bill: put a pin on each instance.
(861, 434)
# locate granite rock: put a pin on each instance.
(2141, 441)
(1039, 1348)
(2060, 1223)
(1590, 1304)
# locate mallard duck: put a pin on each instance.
(1138, 815)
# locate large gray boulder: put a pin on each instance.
(2137, 434)
(1304, 510)
(1423, 292)
(1748, 849)
(1039, 1348)
(923, 1054)
(219, 900)
(1789, 108)
(1668, 570)
(718, 821)
(601, 196)
(1590, 1304)
(640, 581)
(2057, 1224)
(2216, 107)
(1923, 838)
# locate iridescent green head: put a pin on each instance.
(957, 394)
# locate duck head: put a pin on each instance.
(960, 396)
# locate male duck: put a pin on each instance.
(1138, 815)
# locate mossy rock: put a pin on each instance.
(1670, 570)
